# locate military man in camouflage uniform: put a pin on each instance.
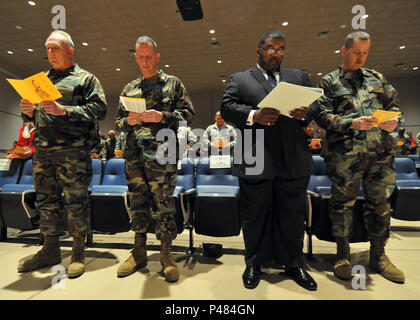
(150, 183)
(359, 150)
(66, 133)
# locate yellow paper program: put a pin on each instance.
(383, 115)
(36, 88)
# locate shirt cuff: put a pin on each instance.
(250, 120)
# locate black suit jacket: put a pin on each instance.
(286, 153)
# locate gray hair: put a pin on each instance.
(348, 42)
(146, 39)
(65, 35)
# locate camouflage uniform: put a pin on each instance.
(151, 184)
(62, 162)
(354, 156)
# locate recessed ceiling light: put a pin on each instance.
(402, 47)
(32, 3)
(337, 51)
(212, 31)
(319, 73)
(415, 68)
(285, 23)
(219, 61)
(10, 52)
(342, 26)
(365, 16)
(19, 27)
(31, 50)
(223, 80)
(167, 65)
(103, 49)
(117, 69)
(85, 44)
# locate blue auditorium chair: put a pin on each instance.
(216, 207)
(109, 200)
(405, 201)
(9, 176)
(416, 159)
(18, 201)
(318, 222)
(97, 171)
(184, 198)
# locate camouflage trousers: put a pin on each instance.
(61, 180)
(376, 172)
(150, 190)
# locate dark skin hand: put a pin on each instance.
(268, 116)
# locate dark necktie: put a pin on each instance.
(272, 79)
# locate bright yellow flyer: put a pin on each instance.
(36, 88)
(383, 115)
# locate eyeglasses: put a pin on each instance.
(272, 51)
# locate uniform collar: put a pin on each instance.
(161, 76)
(72, 70)
(351, 74)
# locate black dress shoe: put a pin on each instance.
(251, 276)
(302, 278)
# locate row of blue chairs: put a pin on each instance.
(206, 198)
(405, 201)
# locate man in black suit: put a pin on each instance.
(273, 188)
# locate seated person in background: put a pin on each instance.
(109, 146)
(418, 141)
(413, 144)
(120, 145)
(403, 142)
(24, 148)
(97, 150)
(314, 143)
(219, 137)
(188, 141)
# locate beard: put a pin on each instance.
(271, 64)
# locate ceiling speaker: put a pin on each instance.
(190, 9)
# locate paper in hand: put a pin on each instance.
(133, 104)
(36, 88)
(383, 115)
(286, 97)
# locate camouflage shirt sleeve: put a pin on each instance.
(326, 117)
(390, 97)
(182, 108)
(95, 107)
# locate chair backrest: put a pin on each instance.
(27, 174)
(319, 176)
(114, 173)
(185, 174)
(405, 169)
(96, 172)
(11, 176)
(415, 157)
(211, 176)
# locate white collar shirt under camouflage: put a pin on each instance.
(349, 95)
(85, 104)
(164, 93)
